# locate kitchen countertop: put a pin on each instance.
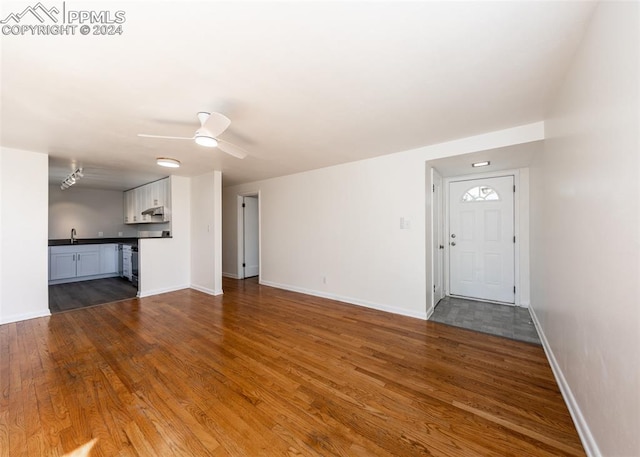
(102, 240)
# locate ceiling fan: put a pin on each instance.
(211, 126)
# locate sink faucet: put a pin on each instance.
(73, 235)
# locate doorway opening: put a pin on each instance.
(510, 161)
(249, 236)
(489, 278)
(476, 237)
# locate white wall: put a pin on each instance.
(585, 247)
(165, 263)
(342, 224)
(89, 211)
(1, 236)
(23, 245)
(206, 233)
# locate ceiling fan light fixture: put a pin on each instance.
(207, 141)
(481, 164)
(168, 162)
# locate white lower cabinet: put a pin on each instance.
(108, 258)
(67, 262)
(88, 263)
(62, 265)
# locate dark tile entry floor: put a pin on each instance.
(501, 320)
(73, 295)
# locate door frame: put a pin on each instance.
(240, 232)
(516, 227)
(436, 238)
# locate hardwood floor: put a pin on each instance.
(265, 372)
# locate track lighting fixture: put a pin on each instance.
(71, 179)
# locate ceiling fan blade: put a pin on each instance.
(144, 135)
(232, 149)
(214, 123)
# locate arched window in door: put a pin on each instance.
(480, 194)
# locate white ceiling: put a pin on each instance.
(306, 84)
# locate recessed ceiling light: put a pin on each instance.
(481, 164)
(205, 140)
(167, 162)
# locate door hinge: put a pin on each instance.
(514, 289)
(434, 287)
(244, 265)
(433, 187)
(514, 188)
(514, 238)
(243, 205)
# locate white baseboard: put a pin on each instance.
(230, 275)
(148, 293)
(25, 316)
(430, 312)
(206, 290)
(349, 300)
(83, 278)
(588, 441)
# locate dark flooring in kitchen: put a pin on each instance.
(502, 320)
(74, 295)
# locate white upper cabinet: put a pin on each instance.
(153, 195)
(129, 208)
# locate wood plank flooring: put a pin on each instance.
(265, 372)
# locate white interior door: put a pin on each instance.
(251, 237)
(481, 239)
(437, 234)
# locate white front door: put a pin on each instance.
(481, 239)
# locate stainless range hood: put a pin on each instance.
(155, 211)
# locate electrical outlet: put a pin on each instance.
(119, 233)
(100, 233)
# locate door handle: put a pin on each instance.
(453, 235)
(453, 243)
(442, 246)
